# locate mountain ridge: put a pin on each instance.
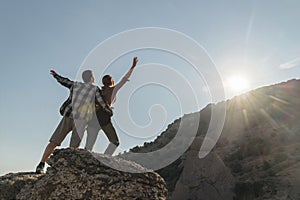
(260, 138)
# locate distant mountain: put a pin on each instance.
(256, 157)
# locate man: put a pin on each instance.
(77, 110)
(109, 90)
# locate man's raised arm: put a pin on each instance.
(62, 80)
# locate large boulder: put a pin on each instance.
(79, 174)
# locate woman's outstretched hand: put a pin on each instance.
(52, 72)
(128, 74)
(135, 60)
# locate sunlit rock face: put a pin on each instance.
(79, 174)
(259, 148)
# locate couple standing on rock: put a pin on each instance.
(89, 108)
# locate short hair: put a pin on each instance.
(87, 75)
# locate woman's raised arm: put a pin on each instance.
(127, 75)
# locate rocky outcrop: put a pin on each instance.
(11, 184)
(79, 174)
(203, 179)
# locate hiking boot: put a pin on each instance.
(40, 168)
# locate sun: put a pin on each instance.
(237, 83)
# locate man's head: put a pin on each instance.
(108, 81)
(88, 76)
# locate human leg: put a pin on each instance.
(63, 128)
(110, 149)
(111, 133)
(92, 133)
(48, 151)
(77, 132)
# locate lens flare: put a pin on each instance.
(238, 83)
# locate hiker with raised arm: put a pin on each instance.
(77, 111)
(103, 120)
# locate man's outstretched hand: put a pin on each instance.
(135, 60)
(53, 73)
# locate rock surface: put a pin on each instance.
(79, 174)
(203, 179)
(11, 184)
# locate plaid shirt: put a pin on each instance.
(81, 101)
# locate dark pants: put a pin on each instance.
(110, 132)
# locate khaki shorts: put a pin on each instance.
(67, 125)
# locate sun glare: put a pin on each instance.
(238, 83)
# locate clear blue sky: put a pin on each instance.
(256, 40)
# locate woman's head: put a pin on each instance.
(108, 81)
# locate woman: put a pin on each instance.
(109, 91)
